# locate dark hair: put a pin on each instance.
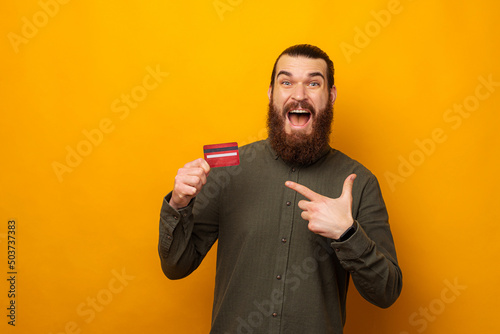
(308, 51)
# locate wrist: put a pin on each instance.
(348, 232)
(173, 205)
(171, 202)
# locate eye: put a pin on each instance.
(314, 84)
(286, 83)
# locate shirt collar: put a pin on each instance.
(271, 150)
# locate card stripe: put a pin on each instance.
(221, 155)
(220, 149)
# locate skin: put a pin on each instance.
(300, 79)
(188, 182)
(297, 79)
(328, 217)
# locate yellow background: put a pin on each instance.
(77, 231)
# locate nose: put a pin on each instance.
(299, 93)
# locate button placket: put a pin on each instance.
(285, 230)
(293, 177)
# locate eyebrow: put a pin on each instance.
(312, 74)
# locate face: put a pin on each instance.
(300, 110)
(300, 91)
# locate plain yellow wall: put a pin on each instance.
(136, 88)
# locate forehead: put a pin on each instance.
(300, 65)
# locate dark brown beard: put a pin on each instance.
(298, 148)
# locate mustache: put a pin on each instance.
(299, 105)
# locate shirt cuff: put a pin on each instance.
(354, 247)
(170, 217)
(348, 233)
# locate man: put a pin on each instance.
(293, 225)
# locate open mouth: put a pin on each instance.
(298, 117)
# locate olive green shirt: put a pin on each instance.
(273, 274)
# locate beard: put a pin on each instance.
(300, 148)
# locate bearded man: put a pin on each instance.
(292, 225)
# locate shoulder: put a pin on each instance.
(341, 161)
(258, 151)
(366, 188)
(260, 145)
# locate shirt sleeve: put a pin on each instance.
(369, 254)
(182, 243)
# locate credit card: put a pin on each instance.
(222, 155)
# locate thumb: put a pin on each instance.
(347, 189)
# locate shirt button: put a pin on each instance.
(293, 169)
(337, 249)
(275, 315)
(176, 217)
(278, 277)
(283, 240)
(169, 237)
(288, 203)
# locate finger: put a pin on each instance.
(347, 189)
(303, 190)
(184, 190)
(182, 195)
(197, 172)
(305, 215)
(190, 180)
(205, 166)
(304, 205)
(199, 163)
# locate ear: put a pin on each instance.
(269, 92)
(333, 94)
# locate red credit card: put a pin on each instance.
(222, 155)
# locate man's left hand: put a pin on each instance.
(328, 217)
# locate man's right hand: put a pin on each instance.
(188, 182)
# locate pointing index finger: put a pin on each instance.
(303, 190)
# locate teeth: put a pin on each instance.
(299, 111)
